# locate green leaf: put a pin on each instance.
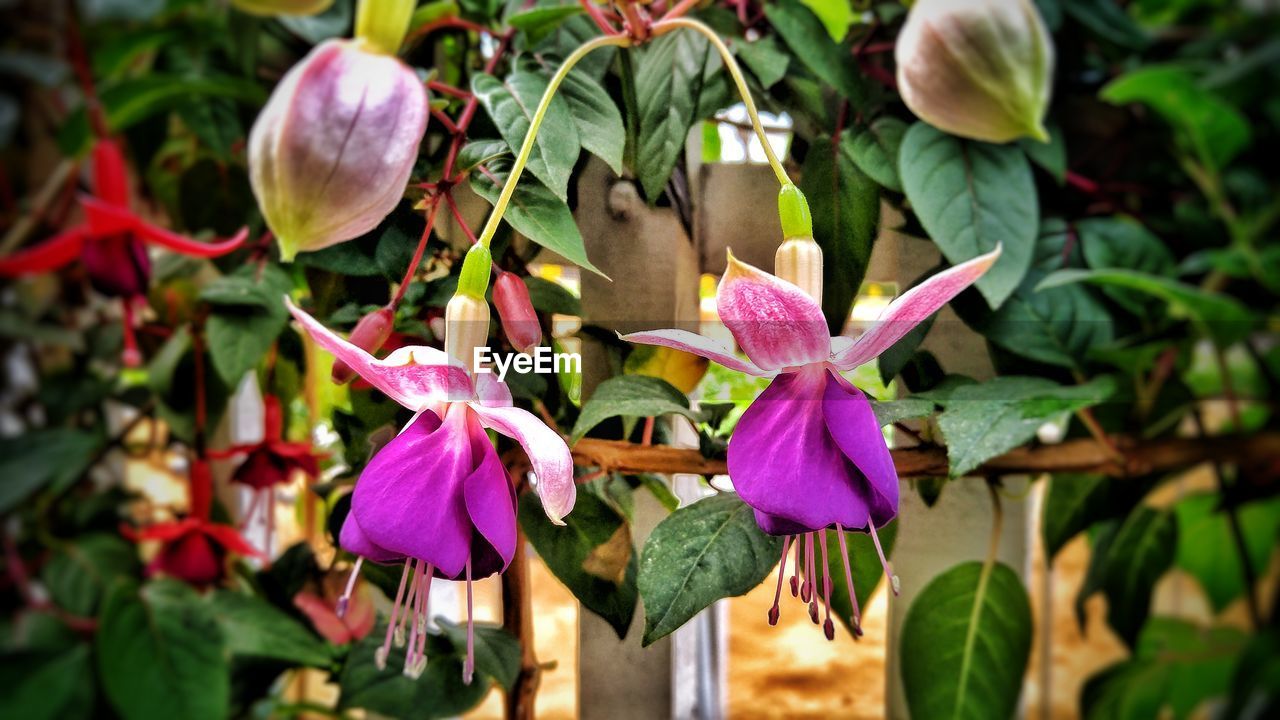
(845, 205)
(875, 150)
(807, 37)
(763, 58)
(131, 101)
(701, 553)
(984, 420)
(161, 654)
(1256, 683)
(438, 693)
(893, 411)
(248, 316)
(632, 396)
(1219, 316)
(1124, 244)
(597, 119)
(670, 75)
(1142, 550)
(1050, 156)
(497, 652)
(54, 457)
(538, 22)
(480, 152)
(551, 297)
(965, 644)
(1204, 124)
(48, 684)
(1207, 548)
(1176, 665)
(511, 104)
(1107, 20)
(592, 555)
(80, 573)
(867, 570)
(971, 197)
(1074, 502)
(536, 213)
(255, 628)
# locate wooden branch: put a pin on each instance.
(1082, 455)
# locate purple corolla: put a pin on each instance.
(808, 454)
(438, 496)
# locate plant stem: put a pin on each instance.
(526, 149)
(665, 26)
(417, 254)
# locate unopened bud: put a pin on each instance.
(370, 334)
(519, 319)
(331, 152)
(799, 262)
(466, 327)
(980, 69)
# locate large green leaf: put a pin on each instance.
(511, 104)
(631, 396)
(709, 550)
(161, 654)
(49, 457)
(592, 555)
(438, 693)
(1219, 316)
(1141, 551)
(1074, 502)
(247, 317)
(255, 628)
(971, 197)
(671, 73)
(965, 644)
(764, 59)
(1204, 124)
(535, 212)
(1123, 243)
(845, 204)
(597, 118)
(1207, 547)
(875, 150)
(807, 37)
(984, 420)
(47, 684)
(80, 573)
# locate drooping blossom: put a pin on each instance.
(270, 462)
(808, 454)
(193, 549)
(438, 495)
(111, 243)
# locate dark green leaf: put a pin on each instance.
(1207, 548)
(1122, 243)
(971, 197)
(764, 59)
(255, 628)
(1256, 684)
(538, 22)
(240, 333)
(315, 29)
(438, 693)
(511, 104)
(875, 150)
(497, 653)
(479, 152)
(709, 550)
(50, 457)
(845, 205)
(80, 573)
(1107, 20)
(597, 118)
(670, 75)
(47, 684)
(1050, 156)
(805, 34)
(965, 644)
(1143, 549)
(551, 297)
(633, 396)
(161, 653)
(1074, 502)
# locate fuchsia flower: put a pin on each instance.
(193, 550)
(437, 495)
(111, 242)
(808, 454)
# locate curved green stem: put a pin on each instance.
(663, 27)
(522, 157)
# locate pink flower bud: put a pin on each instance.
(519, 321)
(331, 153)
(370, 334)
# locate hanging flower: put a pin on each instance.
(808, 454)
(193, 550)
(271, 462)
(438, 496)
(112, 242)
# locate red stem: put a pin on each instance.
(444, 120)
(446, 89)
(417, 254)
(457, 215)
(597, 17)
(84, 75)
(445, 23)
(683, 7)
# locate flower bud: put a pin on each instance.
(519, 320)
(466, 327)
(979, 69)
(331, 153)
(370, 334)
(799, 262)
(268, 8)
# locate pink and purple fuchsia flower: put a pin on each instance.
(438, 496)
(808, 454)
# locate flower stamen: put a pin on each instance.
(812, 573)
(341, 609)
(380, 658)
(848, 578)
(469, 666)
(774, 612)
(888, 569)
(828, 628)
(795, 571)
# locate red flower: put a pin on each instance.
(192, 550)
(111, 241)
(272, 461)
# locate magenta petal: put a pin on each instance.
(784, 462)
(913, 308)
(853, 425)
(409, 499)
(550, 457)
(418, 378)
(700, 345)
(353, 540)
(491, 500)
(776, 323)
